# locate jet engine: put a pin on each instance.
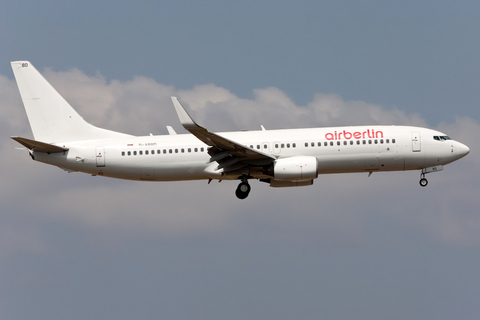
(295, 169)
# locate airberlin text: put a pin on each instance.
(369, 133)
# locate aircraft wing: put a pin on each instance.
(229, 154)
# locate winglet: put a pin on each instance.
(184, 117)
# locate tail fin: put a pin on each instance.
(51, 118)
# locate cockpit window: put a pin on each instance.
(441, 138)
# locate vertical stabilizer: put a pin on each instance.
(51, 117)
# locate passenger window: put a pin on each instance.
(294, 145)
(189, 149)
(158, 151)
(387, 141)
(283, 145)
(306, 144)
(201, 149)
(338, 143)
(331, 143)
(351, 142)
(183, 150)
(344, 143)
(258, 146)
(134, 153)
(325, 143)
(358, 141)
(364, 141)
(196, 149)
(376, 141)
(265, 146)
(369, 141)
(153, 151)
(319, 144)
(129, 153)
(170, 150)
(140, 152)
(313, 144)
(393, 140)
(176, 150)
(381, 141)
(146, 151)
(288, 145)
(164, 151)
(276, 145)
(123, 153)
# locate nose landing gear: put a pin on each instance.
(243, 189)
(423, 181)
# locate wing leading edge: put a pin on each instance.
(229, 155)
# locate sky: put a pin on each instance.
(351, 246)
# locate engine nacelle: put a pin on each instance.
(295, 169)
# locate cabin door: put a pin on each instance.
(276, 147)
(416, 143)
(100, 155)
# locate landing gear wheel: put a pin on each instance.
(423, 182)
(243, 190)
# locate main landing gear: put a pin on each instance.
(243, 189)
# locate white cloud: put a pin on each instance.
(335, 209)
(12, 114)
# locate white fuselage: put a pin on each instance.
(184, 157)
(282, 158)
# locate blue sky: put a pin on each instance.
(413, 55)
(74, 246)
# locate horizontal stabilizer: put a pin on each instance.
(38, 146)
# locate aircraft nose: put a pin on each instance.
(462, 150)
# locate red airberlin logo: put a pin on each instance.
(356, 135)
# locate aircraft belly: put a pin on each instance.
(414, 160)
(361, 162)
(180, 171)
(342, 163)
(157, 172)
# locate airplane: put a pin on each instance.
(281, 158)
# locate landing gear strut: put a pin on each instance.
(243, 189)
(423, 181)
